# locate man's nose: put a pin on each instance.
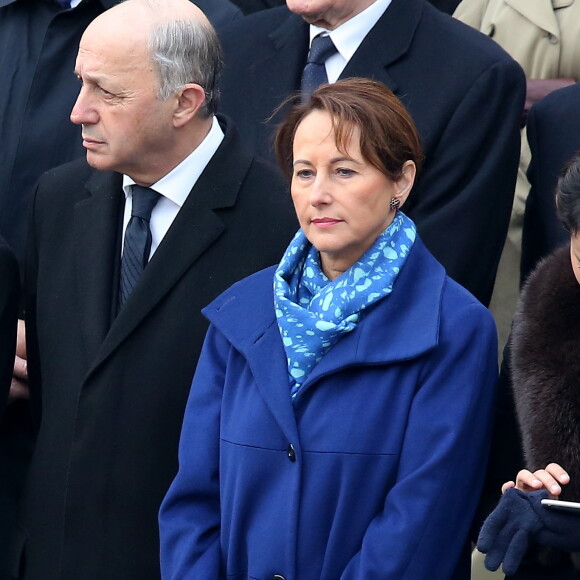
(83, 111)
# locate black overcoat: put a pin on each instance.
(109, 391)
(463, 91)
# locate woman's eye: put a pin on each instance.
(344, 172)
(304, 173)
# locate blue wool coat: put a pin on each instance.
(373, 473)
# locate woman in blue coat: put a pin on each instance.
(339, 416)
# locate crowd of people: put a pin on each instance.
(256, 242)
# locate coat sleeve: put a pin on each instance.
(189, 519)
(424, 525)
(465, 193)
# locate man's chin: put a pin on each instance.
(98, 161)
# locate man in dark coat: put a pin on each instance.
(464, 93)
(110, 366)
(38, 45)
(554, 137)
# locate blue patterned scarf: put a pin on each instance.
(314, 312)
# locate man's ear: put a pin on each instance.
(405, 183)
(190, 99)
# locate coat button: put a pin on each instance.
(291, 457)
(278, 577)
(551, 38)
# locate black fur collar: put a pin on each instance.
(546, 367)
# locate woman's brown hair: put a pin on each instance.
(388, 136)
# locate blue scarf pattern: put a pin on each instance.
(313, 312)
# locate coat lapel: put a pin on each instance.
(539, 12)
(287, 56)
(403, 326)
(96, 226)
(193, 231)
(245, 315)
(275, 392)
(388, 41)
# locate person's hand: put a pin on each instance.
(19, 385)
(508, 530)
(552, 478)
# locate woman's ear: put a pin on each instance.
(405, 182)
(189, 100)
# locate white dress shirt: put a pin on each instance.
(174, 187)
(348, 37)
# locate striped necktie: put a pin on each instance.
(314, 73)
(137, 245)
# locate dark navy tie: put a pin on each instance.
(314, 73)
(137, 246)
(64, 4)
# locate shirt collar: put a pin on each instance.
(350, 34)
(177, 184)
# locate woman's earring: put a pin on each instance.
(395, 203)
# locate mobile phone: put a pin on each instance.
(562, 505)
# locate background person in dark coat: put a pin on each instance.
(464, 93)
(109, 381)
(554, 137)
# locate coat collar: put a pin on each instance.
(96, 234)
(245, 314)
(402, 327)
(539, 13)
(194, 229)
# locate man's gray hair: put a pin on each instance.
(187, 51)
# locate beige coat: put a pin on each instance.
(543, 36)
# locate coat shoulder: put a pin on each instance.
(245, 309)
(465, 42)
(261, 22)
(562, 103)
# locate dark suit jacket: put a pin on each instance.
(249, 6)
(447, 6)
(9, 292)
(109, 392)
(463, 91)
(554, 137)
(219, 12)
